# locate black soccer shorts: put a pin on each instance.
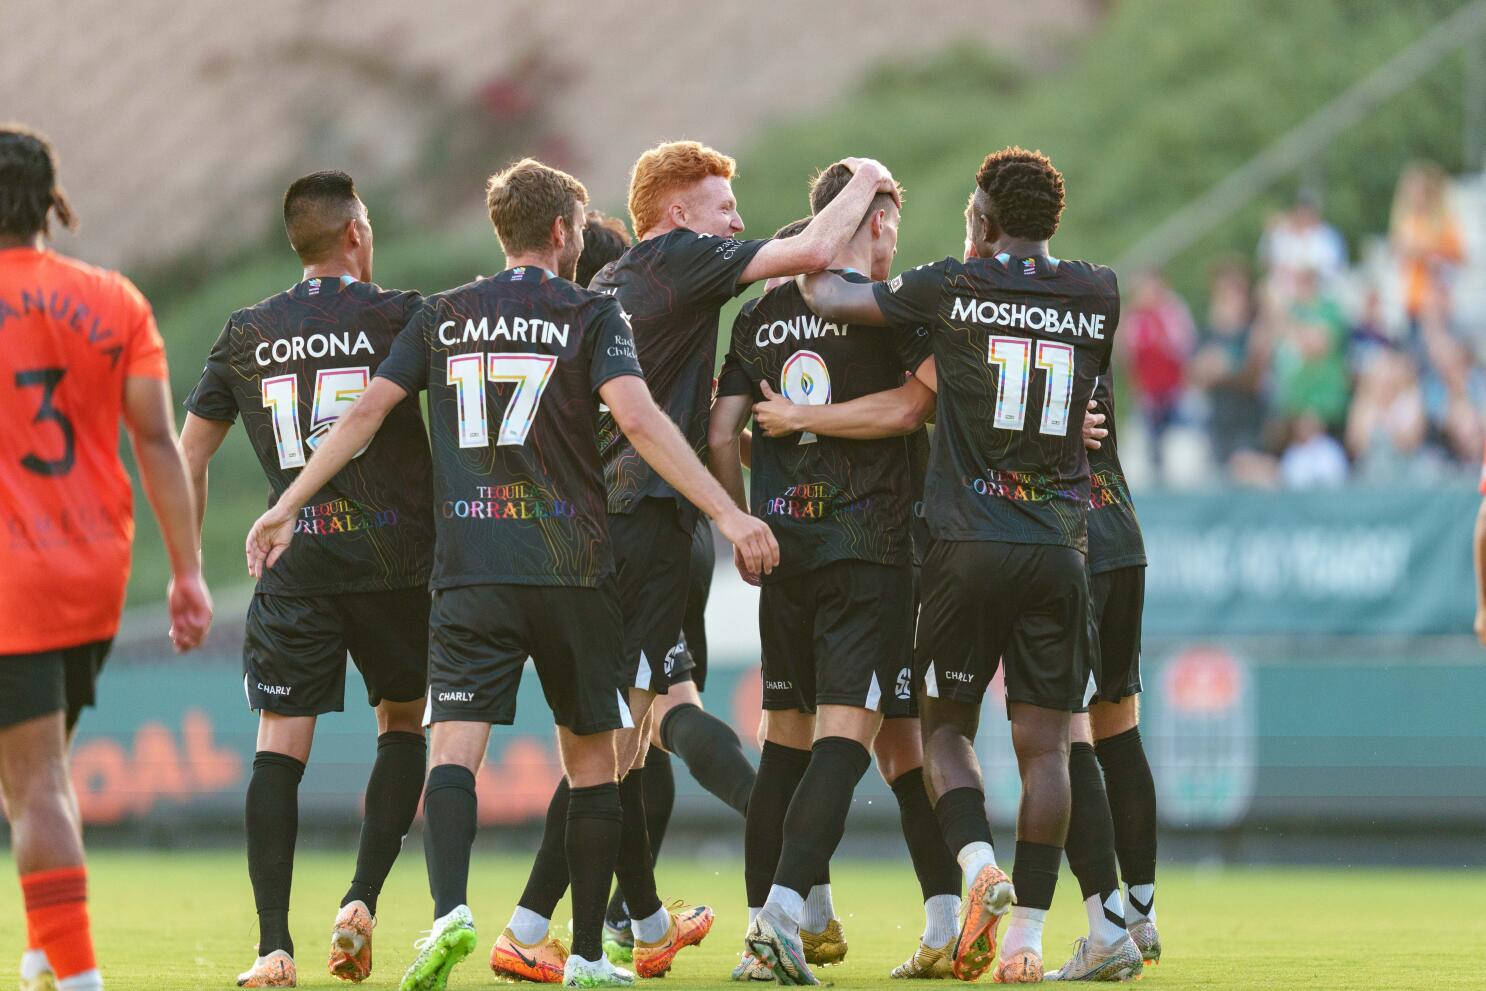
(693, 642)
(1118, 599)
(840, 634)
(481, 636)
(295, 646)
(988, 603)
(61, 680)
(652, 558)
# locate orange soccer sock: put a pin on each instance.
(57, 918)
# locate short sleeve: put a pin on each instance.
(704, 270)
(146, 355)
(212, 397)
(913, 347)
(614, 351)
(406, 365)
(734, 380)
(912, 298)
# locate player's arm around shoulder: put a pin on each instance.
(814, 247)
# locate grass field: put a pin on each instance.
(176, 921)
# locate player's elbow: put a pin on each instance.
(637, 420)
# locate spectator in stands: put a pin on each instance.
(1226, 366)
(1454, 383)
(1158, 335)
(1313, 459)
(1386, 426)
(1299, 242)
(1309, 357)
(1425, 236)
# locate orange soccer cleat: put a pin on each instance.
(541, 962)
(273, 971)
(1021, 967)
(689, 926)
(350, 943)
(990, 897)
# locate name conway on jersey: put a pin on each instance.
(827, 499)
(512, 364)
(290, 366)
(1018, 343)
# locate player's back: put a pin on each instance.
(827, 498)
(70, 334)
(1115, 539)
(512, 364)
(290, 366)
(1018, 344)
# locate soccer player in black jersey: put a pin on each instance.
(686, 263)
(356, 580)
(1018, 340)
(515, 366)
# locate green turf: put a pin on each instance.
(169, 921)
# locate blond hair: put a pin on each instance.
(663, 170)
(524, 198)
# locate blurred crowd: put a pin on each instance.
(1307, 370)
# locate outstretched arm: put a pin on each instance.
(660, 443)
(813, 248)
(270, 535)
(147, 414)
(831, 296)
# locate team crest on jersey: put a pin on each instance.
(904, 687)
(1029, 266)
(314, 287)
(895, 284)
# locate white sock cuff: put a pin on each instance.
(527, 926)
(787, 902)
(941, 920)
(653, 928)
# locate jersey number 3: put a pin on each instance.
(47, 380)
(468, 374)
(1012, 357)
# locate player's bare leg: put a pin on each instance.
(899, 750)
(1115, 727)
(46, 842)
(391, 802)
(952, 772)
(283, 750)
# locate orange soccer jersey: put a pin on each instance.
(69, 336)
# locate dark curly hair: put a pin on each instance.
(29, 193)
(605, 238)
(1025, 192)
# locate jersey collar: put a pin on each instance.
(524, 273)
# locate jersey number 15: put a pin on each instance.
(336, 389)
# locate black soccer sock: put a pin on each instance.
(712, 753)
(817, 815)
(391, 802)
(272, 823)
(635, 869)
(933, 862)
(548, 879)
(1090, 845)
(1132, 805)
(1035, 874)
(962, 819)
(593, 828)
(450, 817)
(780, 769)
(660, 798)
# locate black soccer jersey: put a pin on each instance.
(291, 365)
(1018, 343)
(918, 470)
(512, 364)
(826, 499)
(671, 287)
(1114, 531)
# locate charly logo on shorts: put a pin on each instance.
(456, 696)
(904, 687)
(275, 689)
(962, 676)
(780, 686)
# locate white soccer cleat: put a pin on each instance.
(600, 973)
(36, 972)
(1119, 962)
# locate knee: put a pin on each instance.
(400, 717)
(591, 761)
(1111, 719)
(897, 749)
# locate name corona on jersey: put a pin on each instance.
(1049, 319)
(801, 328)
(314, 346)
(533, 331)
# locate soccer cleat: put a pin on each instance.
(1022, 967)
(689, 926)
(927, 963)
(825, 948)
(1148, 940)
(600, 973)
(991, 896)
(751, 968)
(350, 943)
(451, 939)
(37, 975)
(619, 942)
(273, 971)
(1115, 963)
(780, 950)
(541, 962)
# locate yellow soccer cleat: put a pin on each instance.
(273, 971)
(823, 949)
(350, 943)
(990, 897)
(1022, 967)
(928, 963)
(541, 962)
(689, 926)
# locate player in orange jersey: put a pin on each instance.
(79, 352)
